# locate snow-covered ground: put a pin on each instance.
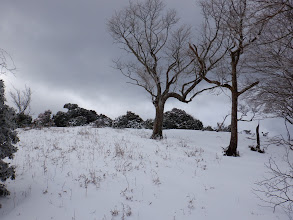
(86, 173)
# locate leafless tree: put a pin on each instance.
(274, 58)
(236, 30)
(159, 57)
(21, 99)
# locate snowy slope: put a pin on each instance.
(88, 173)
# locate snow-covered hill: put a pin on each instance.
(86, 173)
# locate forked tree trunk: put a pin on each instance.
(158, 123)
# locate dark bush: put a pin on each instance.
(23, 120)
(77, 121)
(179, 119)
(90, 115)
(149, 124)
(102, 121)
(44, 119)
(130, 120)
(75, 116)
(61, 119)
(70, 106)
(208, 128)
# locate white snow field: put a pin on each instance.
(86, 173)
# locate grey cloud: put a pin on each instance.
(64, 53)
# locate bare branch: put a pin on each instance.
(247, 88)
(6, 62)
(276, 189)
(21, 99)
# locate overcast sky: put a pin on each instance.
(63, 52)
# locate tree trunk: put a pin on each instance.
(158, 123)
(232, 148)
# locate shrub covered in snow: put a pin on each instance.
(44, 119)
(61, 119)
(149, 123)
(179, 119)
(8, 137)
(77, 121)
(74, 111)
(102, 121)
(130, 120)
(75, 116)
(208, 128)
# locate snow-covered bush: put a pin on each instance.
(90, 115)
(102, 121)
(78, 121)
(208, 128)
(179, 119)
(135, 124)
(130, 120)
(44, 119)
(61, 119)
(149, 123)
(74, 116)
(8, 137)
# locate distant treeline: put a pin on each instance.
(77, 116)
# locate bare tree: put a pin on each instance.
(274, 58)
(159, 58)
(236, 30)
(21, 99)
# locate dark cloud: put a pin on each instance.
(63, 52)
(63, 46)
